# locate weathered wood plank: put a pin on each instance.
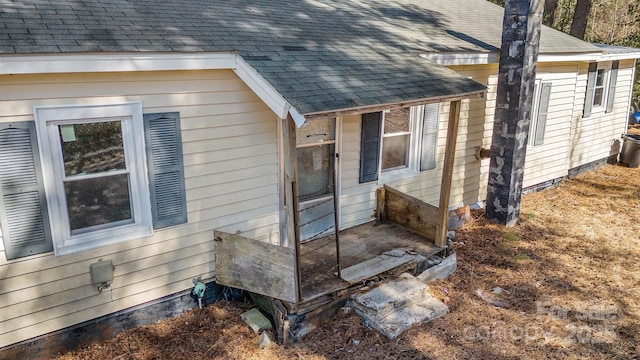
(410, 212)
(447, 174)
(373, 267)
(255, 266)
(380, 204)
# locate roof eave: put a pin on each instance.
(126, 62)
(484, 58)
(394, 105)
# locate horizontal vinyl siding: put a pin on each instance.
(592, 137)
(550, 160)
(231, 177)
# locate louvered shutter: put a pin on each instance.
(543, 110)
(370, 146)
(23, 206)
(613, 80)
(166, 169)
(429, 137)
(591, 85)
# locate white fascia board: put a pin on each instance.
(298, 118)
(262, 88)
(453, 59)
(80, 63)
(561, 57)
(462, 58)
(51, 64)
(621, 56)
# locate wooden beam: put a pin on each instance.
(380, 204)
(290, 177)
(391, 106)
(291, 203)
(447, 173)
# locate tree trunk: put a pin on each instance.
(580, 17)
(550, 7)
(514, 99)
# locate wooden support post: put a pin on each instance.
(447, 173)
(291, 203)
(290, 176)
(514, 97)
(296, 226)
(336, 216)
(380, 204)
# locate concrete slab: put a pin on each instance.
(256, 321)
(397, 305)
(440, 271)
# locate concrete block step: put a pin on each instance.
(397, 305)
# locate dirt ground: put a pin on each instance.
(569, 288)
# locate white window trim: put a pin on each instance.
(413, 164)
(535, 109)
(606, 66)
(47, 118)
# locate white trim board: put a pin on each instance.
(81, 63)
(459, 58)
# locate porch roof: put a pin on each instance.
(320, 55)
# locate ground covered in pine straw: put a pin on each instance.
(562, 284)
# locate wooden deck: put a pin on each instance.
(318, 263)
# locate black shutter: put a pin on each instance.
(591, 85)
(166, 169)
(23, 205)
(370, 146)
(613, 80)
(429, 136)
(543, 110)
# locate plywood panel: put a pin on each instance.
(410, 212)
(255, 266)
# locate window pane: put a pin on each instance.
(396, 121)
(92, 148)
(99, 201)
(394, 151)
(313, 131)
(315, 171)
(600, 78)
(597, 97)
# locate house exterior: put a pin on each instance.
(130, 131)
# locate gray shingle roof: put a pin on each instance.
(320, 55)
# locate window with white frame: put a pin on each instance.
(539, 113)
(80, 177)
(398, 143)
(397, 134)
(601, 87)
(95, 174)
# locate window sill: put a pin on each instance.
(103, 238)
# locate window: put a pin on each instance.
(598, 90)
(398, 143)
(601, 85)
(539, 111)
(94, 174)
(81, 177)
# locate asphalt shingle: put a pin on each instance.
(342, 54)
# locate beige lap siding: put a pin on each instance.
(231, 175)
(591, 137)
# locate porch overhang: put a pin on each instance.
(396, 105)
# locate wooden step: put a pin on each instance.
(379, 264)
